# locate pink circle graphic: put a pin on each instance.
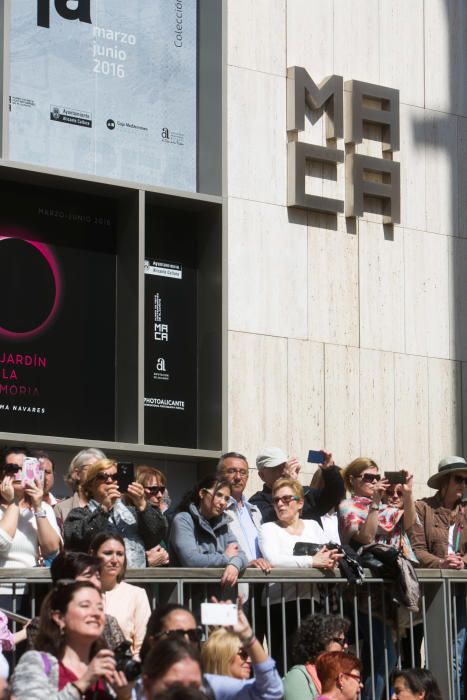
(47, 254)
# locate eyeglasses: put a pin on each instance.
(231, 471)
(154, 490)
(194, 635)
(356, 677)
(458, 479)
(369, 478)
(343, 641)
(102, 476)
(243, 654)
(285, 499)
(219, 495)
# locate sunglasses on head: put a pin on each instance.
(154, 490)
(285, 499)
(370, 478)
(458, 479)
(195, 636)
(102, 476)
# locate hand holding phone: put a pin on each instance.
(224, 614)
(125, 475)
(399, 477)
(31, 471)
(316, 456)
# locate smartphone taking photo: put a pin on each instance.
(395, 477)
(223, 614)
(125, 475)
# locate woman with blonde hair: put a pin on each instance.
(77, 471)
(141, 526)
(363, 519)
(223, 655)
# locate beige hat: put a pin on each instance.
(447, 465)
(270, 457)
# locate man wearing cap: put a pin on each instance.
(439, 538)
(272, 463)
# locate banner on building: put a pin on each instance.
(106, 87)
(57, 315)
(170, 353)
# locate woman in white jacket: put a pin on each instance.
(277, 543)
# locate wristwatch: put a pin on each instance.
(40, 513)
(374, 506)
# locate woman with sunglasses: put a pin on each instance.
(366, 517)
(28, 528)
(176, 622)
(363, 519)
(141, 526)
(278, 541)
(128, 604)
(200, 536)
(340, 675)
(223, 655)
(155, 491)
(316, 634)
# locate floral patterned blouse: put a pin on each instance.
(353, 512)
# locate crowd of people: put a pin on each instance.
(97, 636)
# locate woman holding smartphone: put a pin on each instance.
(28, 528)
(371, 514)
(363, 519)
(141, 526)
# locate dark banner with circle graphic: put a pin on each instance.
(57, 314)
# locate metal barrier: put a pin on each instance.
(279, 600)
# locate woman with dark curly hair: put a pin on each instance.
(415, 684)
(316, 634)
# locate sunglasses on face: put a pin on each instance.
(12, 468)
(285, 499)
(340, 640)
(195, 636)
(243, 654)
(102, 476)
(393, 494)
(154, 490)
(458, 479)
(369, 478)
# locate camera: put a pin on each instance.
(125, 662)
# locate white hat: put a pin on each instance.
(270, 457)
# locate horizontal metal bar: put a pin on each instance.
(166, 574)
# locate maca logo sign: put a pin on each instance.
(68, 9)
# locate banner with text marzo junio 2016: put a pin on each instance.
(106, 87)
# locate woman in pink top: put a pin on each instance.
(127, 603)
